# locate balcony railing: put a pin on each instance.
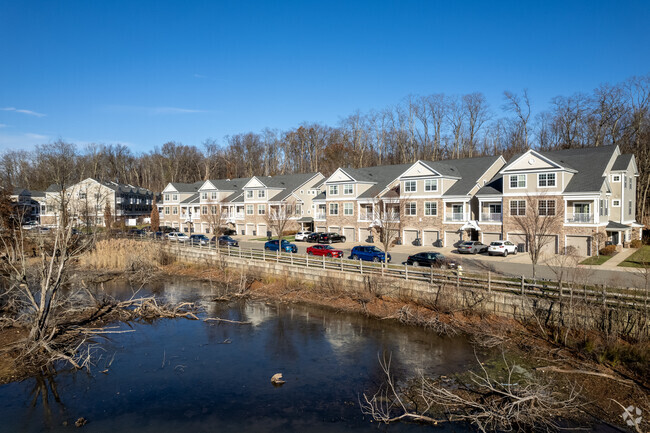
(580, 218)
(367, 216)
(491, 217)
(320, 215)
(456, 217)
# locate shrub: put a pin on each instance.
(636, 243)
(608, 250)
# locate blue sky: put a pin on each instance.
(143, 73)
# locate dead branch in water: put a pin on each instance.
(217, 319)
(485, 402)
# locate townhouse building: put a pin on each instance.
(430, 202)
(28, 203)
(590, 191)
(85, 202)
(179, 207)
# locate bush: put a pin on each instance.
(636, 243)
(608, 250)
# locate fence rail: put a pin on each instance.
(635, 298)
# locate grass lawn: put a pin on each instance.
(291, 238)
(640, 259)
(595, 260)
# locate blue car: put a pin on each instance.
(286, 246)
(369, 253)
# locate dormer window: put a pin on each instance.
(431, 185)
(546, 180)
(518, 181)
(261, 193)
(348, 189)
(410, 186)
(249, 194)
(333, 190)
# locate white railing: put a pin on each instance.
(493, 217)
(580, 218)
(320, 216)
(456, 217)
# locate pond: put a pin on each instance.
(194, 376)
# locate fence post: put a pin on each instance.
(341, 262)
(263, 253)
(291, 258)
(323, 262)
(406, 271)
(522, 284)
(430, 274)
(489, 281)
(361, 266)
(307, 260)
(605, 296)
(277, 256)
(457, 279)
(383, 265)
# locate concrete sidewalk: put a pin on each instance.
(618, 258)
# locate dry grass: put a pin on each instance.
(124, 254)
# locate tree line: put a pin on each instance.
(428, 127)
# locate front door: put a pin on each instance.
(615, 237)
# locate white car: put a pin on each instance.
(502, 248)
(302, 236)
(178, 237)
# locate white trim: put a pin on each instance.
(510, 176)
(547, 186)
(616, 200)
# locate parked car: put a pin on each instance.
(313, 237)
(229, 232)
(166, 229)
(225, 241)
(369, 253)
(328, 238)
(502, 248)
(302, 236)
(137, 233)
(159, 235)
(324, 250)
(430, 259)
(178, 237)
(30, 225)
(199, 240)
(286, 246)
(472, 247)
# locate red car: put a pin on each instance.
(324, 250)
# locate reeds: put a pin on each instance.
(123, 254)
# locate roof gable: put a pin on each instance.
(340, 176)
(254, 183)
(170, 188)
(530, 161)
(419, 169)
(207, 185)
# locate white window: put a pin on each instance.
(616, 203)
(249, 209)
(410, 186)
(175, 210)
(261, 209)
(213, 196)
(411, 208)
(630, 183)
(204, 210)
(204, 196)
(348, 209)
(175, 197)
(430, 208)
(213, 210)
(629, 207)
(546, 207)
(334, 208)
(517, 207)
(431, 185)
(333, 190)
(82, 195)
(624, 181)
(261, 193)
(616, 178)
(249, 194)
(166, 197)
(546, 180)
(348, 189)
(518, 181)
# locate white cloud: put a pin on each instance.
(23, 111)
(25, 141)
(199, 76)
(2, 125)
(36, 136)
(154, 111)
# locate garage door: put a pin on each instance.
(321, 229)
(410, 236)
(550, 246)
(582, 244)
(335, 229)
(491, 237)
(363, 235)
(518, 239)
(250, 228)
(240, 229)
(348, 232)
(429, 237)
(452, 238)
(261, 230)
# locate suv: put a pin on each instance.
(369, 253)
(472, 247)
(431, 259)
(502, 248)
(225, 240)
(328, 238)
(286, 246)
(313, 237)
(199, 240)
(302, 236)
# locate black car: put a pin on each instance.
(135, 233)
(328, 238)
(225, 241)
(433, 259)
(313, 237)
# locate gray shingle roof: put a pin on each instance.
(616, 226)
(468, 169)
(493, 187)
(194, 198)
(288, 183)
(381, 176)
(622, 162)
(187, 187)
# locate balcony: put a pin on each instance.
(320, 216)
(491, 217)
(580, 218)
(456, 217)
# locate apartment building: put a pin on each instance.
(180, 208)
(428, 202)
(28, 202)
(85, 202)
(591, 190)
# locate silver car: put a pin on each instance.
(472, 247)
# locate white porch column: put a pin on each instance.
(596, 211)
(566, 210)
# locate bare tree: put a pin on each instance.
(280, 215)
(520, 105)
(477, 113)
(386, 218)
(539, 221)
(214, 214)
(155, 216)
